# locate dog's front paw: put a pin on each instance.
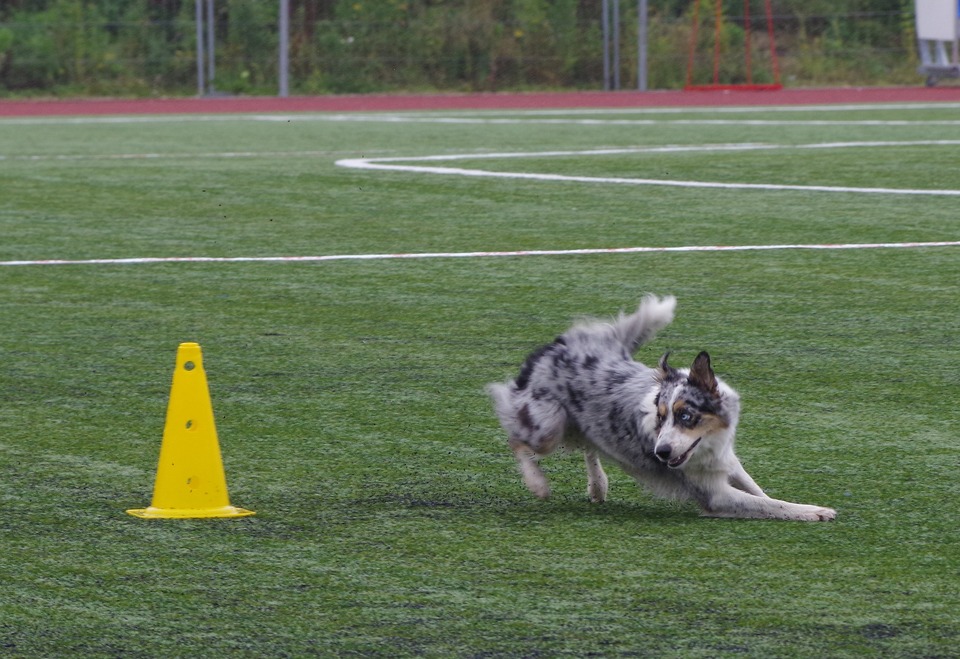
(542, 493)
(539, 487)
(818, 514)
(597, 491)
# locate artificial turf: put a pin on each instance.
(349, 394)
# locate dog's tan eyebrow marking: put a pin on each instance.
(711, 422)
(694, 405)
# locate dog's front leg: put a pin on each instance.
(740, 479)
(731, 502)
(597, 482)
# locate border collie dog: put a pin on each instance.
(671, 429)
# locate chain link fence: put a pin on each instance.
(125, 47)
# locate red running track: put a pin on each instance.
(483, 101)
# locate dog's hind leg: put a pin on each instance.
(597, 482)
(541, 429)
(529, 463)
(535, 426)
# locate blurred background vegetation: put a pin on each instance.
(148, 47)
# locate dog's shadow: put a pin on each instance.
(522, 509)
(471, 503)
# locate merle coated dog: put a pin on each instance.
(671, 429)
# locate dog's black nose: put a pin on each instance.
(664, 452)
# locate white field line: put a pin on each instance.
(723, 109)
(509, 121)
(370, 163)
(392, 164)
(64, 157)
(466, 120)
(535, 116)
(490, 254)
(385, 163)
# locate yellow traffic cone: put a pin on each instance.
(190, 479)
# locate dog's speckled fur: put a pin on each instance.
(671, 429)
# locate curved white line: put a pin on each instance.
(393, 164)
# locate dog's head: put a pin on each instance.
(696, 412)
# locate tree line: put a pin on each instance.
(148, 47)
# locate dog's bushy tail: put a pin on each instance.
(653, 314)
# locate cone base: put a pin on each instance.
(189, 513)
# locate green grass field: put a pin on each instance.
(349, 394)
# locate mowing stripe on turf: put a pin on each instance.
(456, 255)
(395, 164)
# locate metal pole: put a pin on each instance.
(605, 27)
(210, 46)
(284, 48)
(642, 29)
(616, 44)
(201, 83)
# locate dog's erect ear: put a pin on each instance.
(701, 375)
(667, 372)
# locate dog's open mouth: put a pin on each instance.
(679, 460)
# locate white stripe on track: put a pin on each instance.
(456, 255)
